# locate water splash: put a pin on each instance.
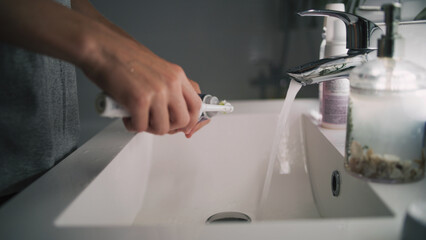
(280, 139)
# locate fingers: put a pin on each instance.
(195, 86)
(164, 106)
(127, 121)
(159, 122)
(197, 127)
(164, 114)
(193, 103)
(179, 116)
(139, 122)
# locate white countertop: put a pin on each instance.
(33, 212)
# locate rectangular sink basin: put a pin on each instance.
(121, 185)
(222, 169)
(171, 180)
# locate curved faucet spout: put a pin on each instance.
(359, 35)
(330, 68)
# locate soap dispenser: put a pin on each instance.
(385, 136)
(334, 94)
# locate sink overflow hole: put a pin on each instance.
(227, 217)
(335, 183)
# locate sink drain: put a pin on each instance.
(227, 217)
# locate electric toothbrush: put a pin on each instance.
(108, 107)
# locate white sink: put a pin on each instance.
(222, 169)
(185, 181)
(121, 185)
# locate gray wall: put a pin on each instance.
(235, 49)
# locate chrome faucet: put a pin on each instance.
(360, 33)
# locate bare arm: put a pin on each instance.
(40, 26)
(156, 92)
(86, 8)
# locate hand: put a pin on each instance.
(199, 125)
(161, 99)
(157, 93)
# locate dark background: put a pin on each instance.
(235, 49)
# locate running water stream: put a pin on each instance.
(292, 91)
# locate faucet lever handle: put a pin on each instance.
(359, 31)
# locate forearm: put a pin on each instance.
(156, 92)
(86, 8)
(48, 28)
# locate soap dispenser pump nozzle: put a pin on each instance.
(386, 44)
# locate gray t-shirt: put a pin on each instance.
(39, 121)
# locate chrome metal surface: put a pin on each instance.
(330, 68)
(359, 34)
(359, 31)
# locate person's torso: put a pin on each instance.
(39, 121)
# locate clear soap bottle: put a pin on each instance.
(385, 138)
